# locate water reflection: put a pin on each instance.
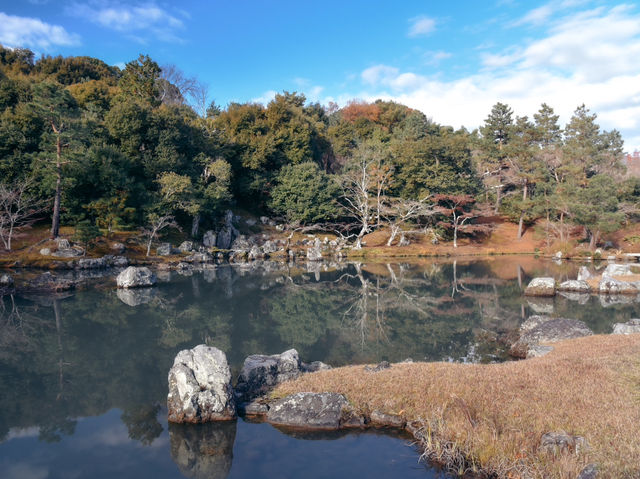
(71, 356)
(203, 450)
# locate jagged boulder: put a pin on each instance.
(541, 287)
(92, 263)
(630, 327)
(136, 277)
(309, 410)
(560, 442)
(260, 373)
(165, 249)
(199, 258)
(200, 386)
(186, 247)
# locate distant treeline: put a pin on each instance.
(120, 148)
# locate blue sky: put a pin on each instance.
(452, 60)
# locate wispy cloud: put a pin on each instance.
(137, 21)
(33, 33)
(421, 26)
(582, 57)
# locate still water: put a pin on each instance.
(83, 376)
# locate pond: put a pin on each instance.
(84, 376)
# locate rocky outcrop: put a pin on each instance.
(136, 277)
(630, 327)
(574, 286)
(228, 233)
(547, 330)
(260, 373)
(200, 386)
(322, 411)
(541, 287)
(203, 452)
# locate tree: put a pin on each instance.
(155, 224)
(304, 193)
(111, 213)
(458, 209)
(18, 210)
(85, 233)
(140, 80)
(397, 212)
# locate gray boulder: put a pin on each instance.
(199, 258)
(269, 247)
(200, 386)
(210, 239)
(136, 277)
(186, 247)
(165, 249)
(45, 251)
(560, 442)
(609, 285)
(118, 248)
(260, 373)
(255, 253)
(549, 331)
(73, 252)
(92, 263)
(116, 261)
(590, 471)
(314, 366)
(63, 243)
(241, 243)
(203, 452)
(630, 327)
(541, 287)
(583, 273)
(309, 410)
(574, 286)
(6, 281)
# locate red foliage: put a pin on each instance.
(361, 109)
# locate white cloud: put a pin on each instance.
(421, 25)
(588, 57)
(132, 20)
(265, 98)
(33, 33)
(435, 57)
(537, 16)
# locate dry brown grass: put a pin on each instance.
(494, 415)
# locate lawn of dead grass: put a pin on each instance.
(494, 415)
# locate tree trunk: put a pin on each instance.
(521, 222)
(394, 232)
(55, 221)
(593, 240)
(498, 199)
(455, 233)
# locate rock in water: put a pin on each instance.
(610, 285)
(200, 386)
(549, 331)
(260, 373)
(574, 286)
(203, 451)
(136, 277)
(309, 410)
(541, 287)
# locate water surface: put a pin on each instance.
(84, 375)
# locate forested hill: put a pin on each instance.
(125, 147)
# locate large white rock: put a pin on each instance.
(630, 327)
(574, 286)
(617, 270)
(200, 386)
(541, 287)
(136, 277)
(609, 285)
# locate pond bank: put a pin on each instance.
(489, 419)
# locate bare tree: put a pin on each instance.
(176, 88)
(18, 210)
(397, 212)
(156, 224)
(460, 209)
(357, 200)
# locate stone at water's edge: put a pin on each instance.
(136, 277)
(260, 373)
(200, 387)
(6, 280)
(609, 285)
(309, 410)
(541, 287)
(574, 286)
(548, 331)
(630, 327)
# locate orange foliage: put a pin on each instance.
(361, 109)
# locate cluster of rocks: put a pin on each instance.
(611, 282)
(63, 249)
(200, 390)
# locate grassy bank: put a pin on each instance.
(494, 415)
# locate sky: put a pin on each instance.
(451, 60)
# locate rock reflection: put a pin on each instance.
(203, 450)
